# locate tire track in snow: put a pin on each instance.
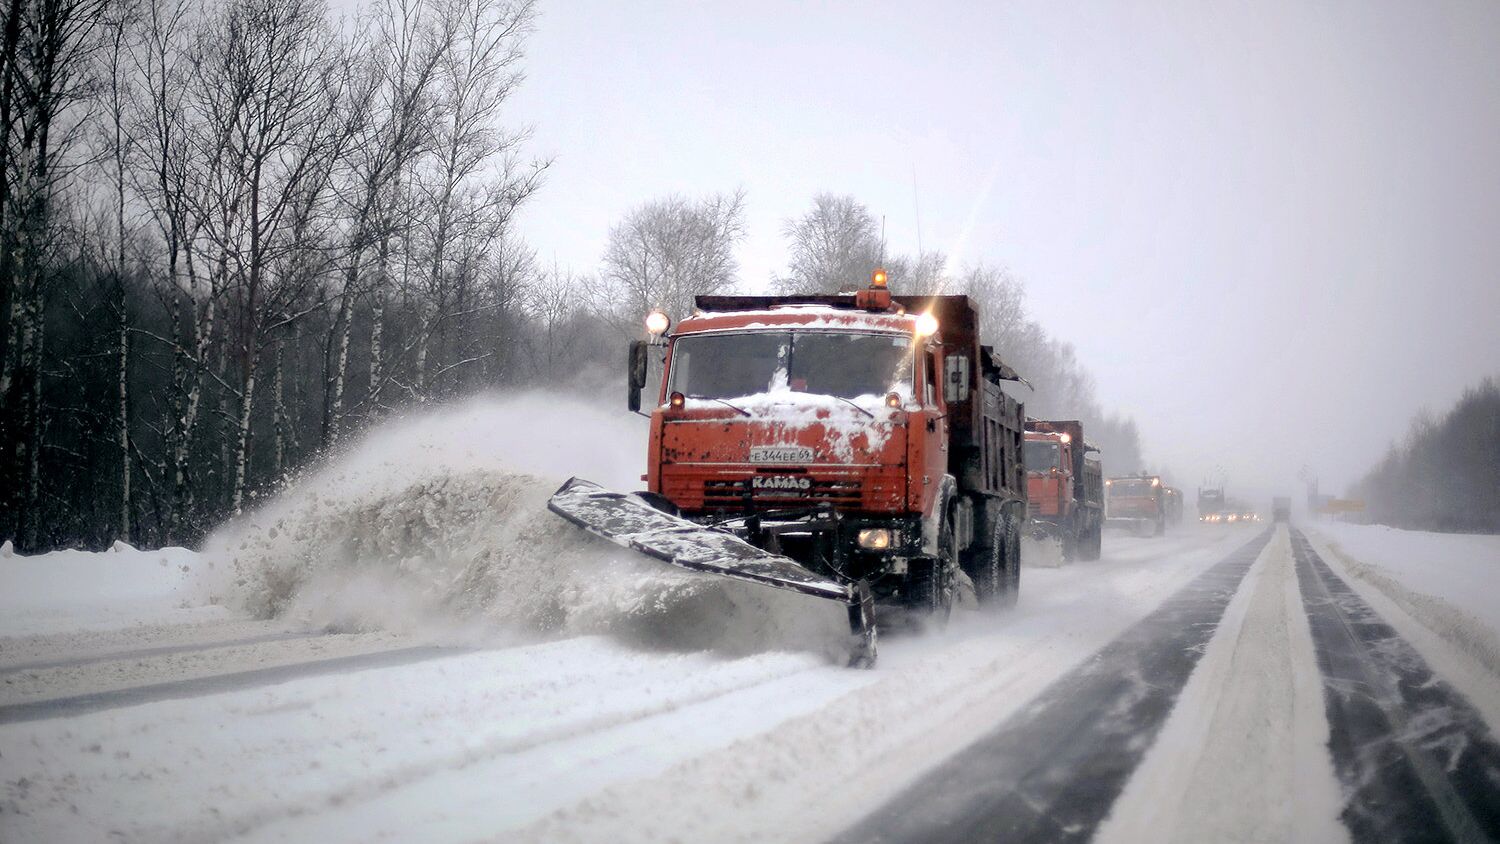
(65, 707)
(1417, 762)
(1052, 772)
(161, 650)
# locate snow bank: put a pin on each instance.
(1445, 581)
(439, 524)
(80, 590)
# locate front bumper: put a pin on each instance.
(826, 541)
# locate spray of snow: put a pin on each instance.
(438, 524)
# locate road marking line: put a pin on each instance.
(162, 650)
(1052, 771)
(66, 707)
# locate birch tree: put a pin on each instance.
(667, 251)
(474, 178)
(43, 97)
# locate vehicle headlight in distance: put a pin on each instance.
(876, 539)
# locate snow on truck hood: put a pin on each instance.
(790, 412)
(798, 316)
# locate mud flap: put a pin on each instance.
(629, 521)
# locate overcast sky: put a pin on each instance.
(1272, 229)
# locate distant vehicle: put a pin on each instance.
(1065, 487)
(1211, 505)
(1281, 508)
(1174, 504)
(1137, 503)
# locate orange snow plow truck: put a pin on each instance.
(851, 447)
(1137, 503)
(1065, 487)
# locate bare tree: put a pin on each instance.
(275, 122)
(473, 180)
(260, 187)
(410, 42)
(667, 251)
(44, 95)
(834, 247)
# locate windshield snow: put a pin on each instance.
(1040, 455)
(846, 365)
(1123, 489)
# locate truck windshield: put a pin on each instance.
(1128, 488)
(843, 364)
(1039, 455)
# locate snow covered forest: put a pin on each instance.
(1445, 475)
(233, 234)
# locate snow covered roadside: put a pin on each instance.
(1445, 581)
(1436, 590)
(74, 591)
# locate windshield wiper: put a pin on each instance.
(739, 410)
(855, 406)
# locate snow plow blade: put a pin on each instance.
(627, 520)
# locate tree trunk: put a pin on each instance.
(124, 418)
(182, 493)
(242, 436)
(32, 349)
(278, 410)
(340, 363)
(377, 324)
(377, 330)
(341, 370)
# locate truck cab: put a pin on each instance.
(1064, 487)
(1137, 503)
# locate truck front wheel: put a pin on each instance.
(930, 589)
(930, 579)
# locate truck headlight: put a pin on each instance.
(875, 539)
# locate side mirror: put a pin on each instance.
(635, 372)
(955, 379)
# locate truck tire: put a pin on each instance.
(1014, 569)
(1161, 526)
(930, 579)
(1093, 541)
(988, 566)
(1008, 539)
(929, 590)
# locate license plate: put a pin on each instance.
(780, 454)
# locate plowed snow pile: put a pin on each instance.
(439, 524)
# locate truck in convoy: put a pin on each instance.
(1212, 506)
(1137, 503)
(1173, 497)
(852, 447)
(1065, 487)
(1281, 508)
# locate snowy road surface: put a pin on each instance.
(1228, 684)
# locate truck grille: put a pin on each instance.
(730, 494)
